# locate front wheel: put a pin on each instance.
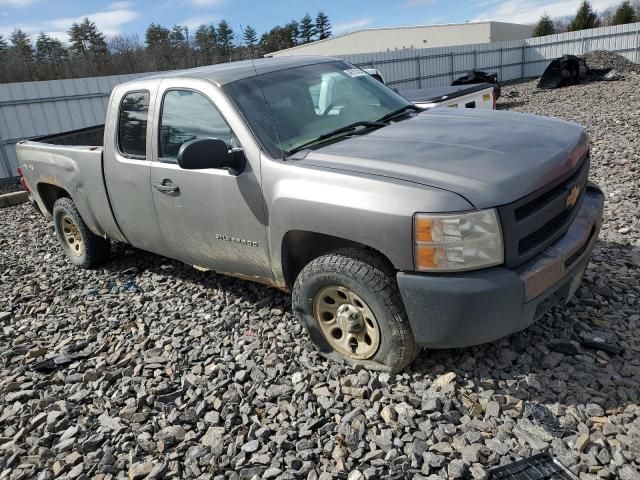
(84, 248)
(350, 304)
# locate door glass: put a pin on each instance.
(187, 115)
(132, 125)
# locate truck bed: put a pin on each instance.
(439, 95)
(90, 136)
(71, 162)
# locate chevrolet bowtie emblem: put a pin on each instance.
(573, 196)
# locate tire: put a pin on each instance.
(84, 248)
(368, 282)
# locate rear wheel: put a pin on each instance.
(350, 304)
(84, 248)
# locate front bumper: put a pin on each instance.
(462, 309)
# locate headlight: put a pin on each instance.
(462, 241)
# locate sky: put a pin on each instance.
(132, 17)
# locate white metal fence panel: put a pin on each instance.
(33, 109)
(427, 67)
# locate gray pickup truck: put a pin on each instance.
(394, 228)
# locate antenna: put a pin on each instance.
(264, 97)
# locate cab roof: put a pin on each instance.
(223, 73)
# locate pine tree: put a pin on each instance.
(49, 50)
(205, 40)
(157, 36)
(157, 39)
(544, 27)
(323, 27)
(86, 40)
(3, 44)
(293, 29)
(307, 29)
(21, 45)
(250, 36)
(225, 40)
(585, 18)
(624, 14)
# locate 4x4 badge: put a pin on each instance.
(573, 196)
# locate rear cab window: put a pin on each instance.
(132, 125)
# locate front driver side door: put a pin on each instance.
(209, 217)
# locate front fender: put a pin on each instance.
(371, 210)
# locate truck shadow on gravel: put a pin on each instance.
(544, 363)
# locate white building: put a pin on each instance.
(371, 40)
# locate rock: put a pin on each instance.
(444, 380)
(172, 435)
(456, 469)
(431, 404)
(355, 475)
(110, 423)
(492, 409)
(140, 470)
(251, 446)
(564, 346)
(552, 360)
(581, 442)
(271, 472)
(594, 410)
(214, 439)
(442, 447)
(389, 414)
(471, 453)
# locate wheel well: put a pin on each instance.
(299, 247)
(50, 194)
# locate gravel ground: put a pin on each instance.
(189, 374)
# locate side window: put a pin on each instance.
(187, 115)
(132, 125)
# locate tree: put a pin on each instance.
(307, 29)
(585, 18)
(293, 29)
(250, 36)
(3, 43)
(544, 27)
(206, 42)
(225, 40)
(86, 39)
(158, 44)
(127, 54)
(21, 45)
(278, 38)
(50, 50)
(624, 14)
(323, 27)
(157, 36)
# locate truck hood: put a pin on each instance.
(489, 157)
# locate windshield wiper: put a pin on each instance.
(398, 112)
(338, 131)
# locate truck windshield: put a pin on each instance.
(306, 103)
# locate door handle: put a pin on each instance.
(166, 186)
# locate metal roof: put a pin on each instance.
(223, 73)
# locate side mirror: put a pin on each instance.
(203, 153)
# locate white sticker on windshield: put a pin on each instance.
(355, 72)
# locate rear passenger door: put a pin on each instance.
(210, 217)
(127, 156)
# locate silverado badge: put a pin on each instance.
(573, 196)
